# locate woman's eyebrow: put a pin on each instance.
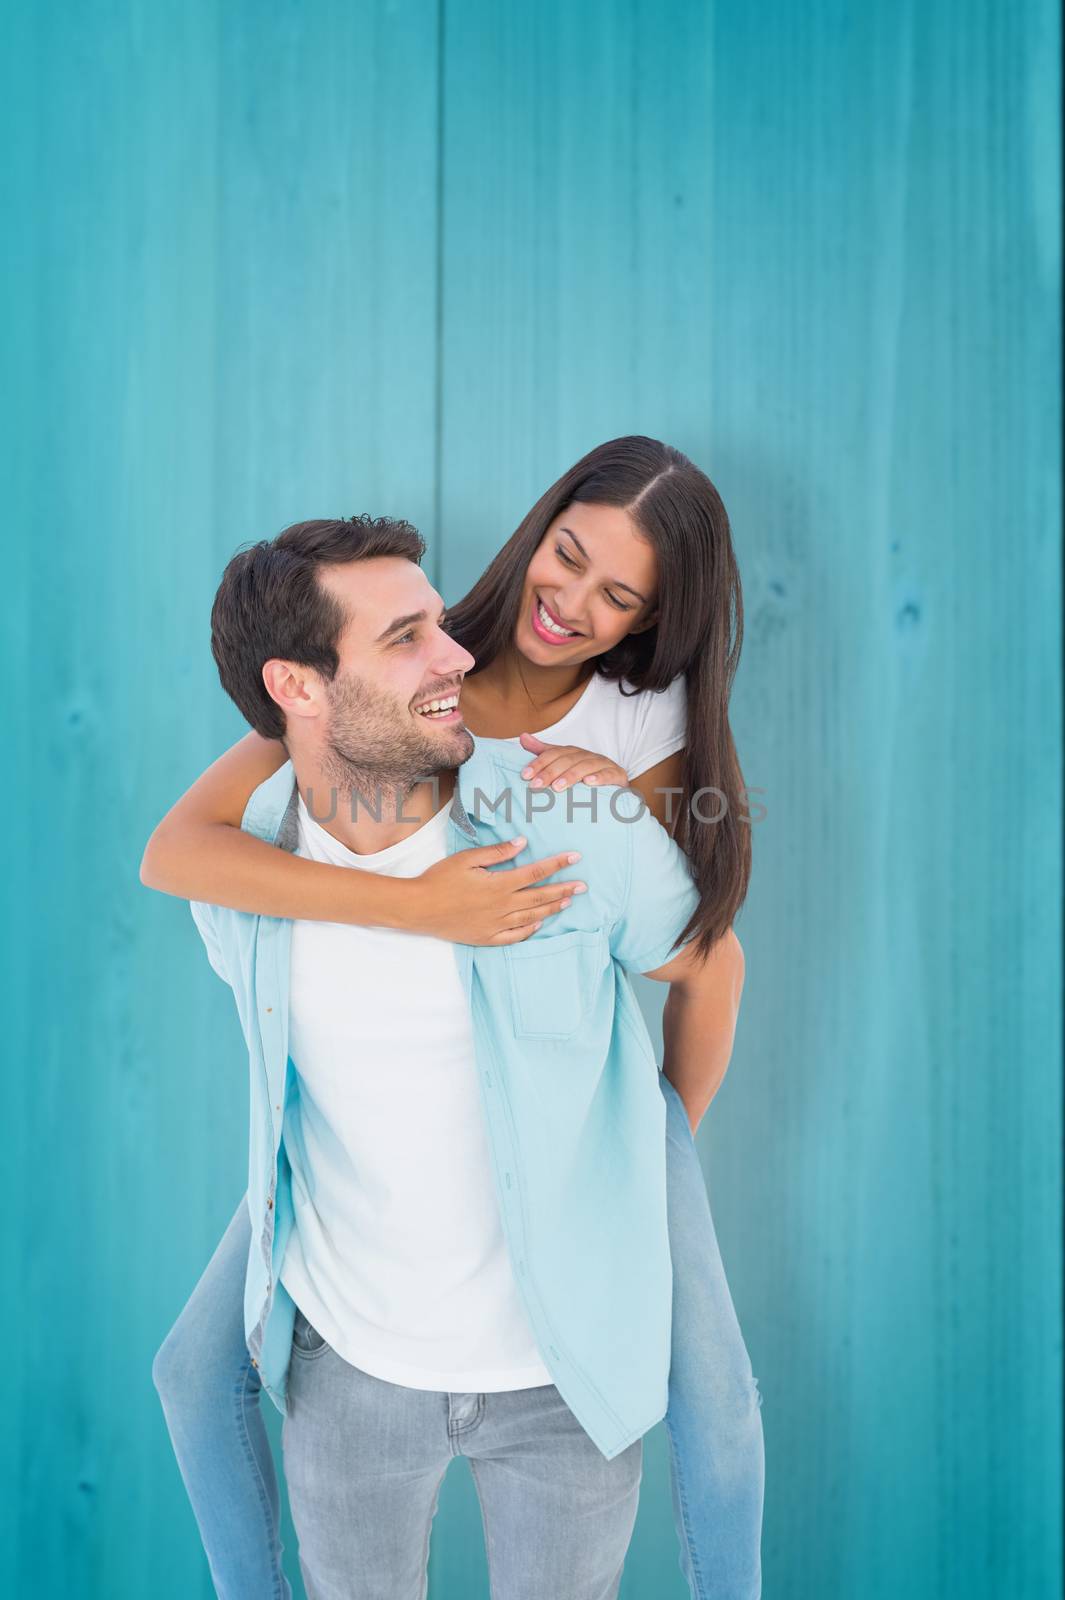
(614, 583)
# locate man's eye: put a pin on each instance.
(404, 637)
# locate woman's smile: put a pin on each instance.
(547, 626)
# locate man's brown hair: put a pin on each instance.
(270, 603)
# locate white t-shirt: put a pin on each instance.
(635, 730)
(398, 1256)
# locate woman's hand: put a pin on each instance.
(460, 900)
(558, 765)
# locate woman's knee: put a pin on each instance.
(174, 1369)
(204, 1356)
(189, 1372)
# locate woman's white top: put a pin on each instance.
(637, 731)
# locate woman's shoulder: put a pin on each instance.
(653, 705)
(652, 723)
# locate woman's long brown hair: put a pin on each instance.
(698, 633)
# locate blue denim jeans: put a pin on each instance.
(365, 1459)
(210, 1394)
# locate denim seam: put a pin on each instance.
(312, 1354)
(264, 1498)
(425, 1547)
(698, 1586)
(492, 1591)
(455, 1428)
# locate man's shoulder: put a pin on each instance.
(493, 786)
(270, 804)
(597, 821)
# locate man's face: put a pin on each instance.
(395, 661)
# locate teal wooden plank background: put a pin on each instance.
(279, 260)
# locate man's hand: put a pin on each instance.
(557, 766)
(459, 899)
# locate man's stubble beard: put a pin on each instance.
(375, 750)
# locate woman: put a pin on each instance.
(610, 626)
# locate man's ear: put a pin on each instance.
(297, 690)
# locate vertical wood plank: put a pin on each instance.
(578, 305)
(226, 224)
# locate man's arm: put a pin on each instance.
(699, 1020)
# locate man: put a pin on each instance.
(457, 1177)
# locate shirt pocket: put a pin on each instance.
(552, 982)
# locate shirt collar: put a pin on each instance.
(272, 813)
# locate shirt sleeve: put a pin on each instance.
(659, 895)
(661, 727)
(203, 916)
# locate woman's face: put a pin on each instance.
(593, 575)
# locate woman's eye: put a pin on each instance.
(568, 561)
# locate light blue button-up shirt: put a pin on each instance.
(573, 1110)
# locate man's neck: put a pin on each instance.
(384, 813)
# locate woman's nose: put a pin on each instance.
(570, 602)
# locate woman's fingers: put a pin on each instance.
(532, 916)
(548, 755)
(588, 769)
(559, 766)
(537, 871)
(555, 776)
(463, 899)
(550, 895)
(515, 935)
(486, 855)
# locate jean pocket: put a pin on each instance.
(552, 982)
(306, 1340)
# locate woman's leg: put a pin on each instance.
(210, 1394)
(714, 1418)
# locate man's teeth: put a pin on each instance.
(553, 627)
(435, 707)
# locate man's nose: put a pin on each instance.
(453, 658)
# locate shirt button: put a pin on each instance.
(254, 1362)
(269, 1205)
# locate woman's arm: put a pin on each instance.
(199, 852)
(699, 1020)
(654, 785)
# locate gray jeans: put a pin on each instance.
(365, 1459)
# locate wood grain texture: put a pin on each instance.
(416, 256)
